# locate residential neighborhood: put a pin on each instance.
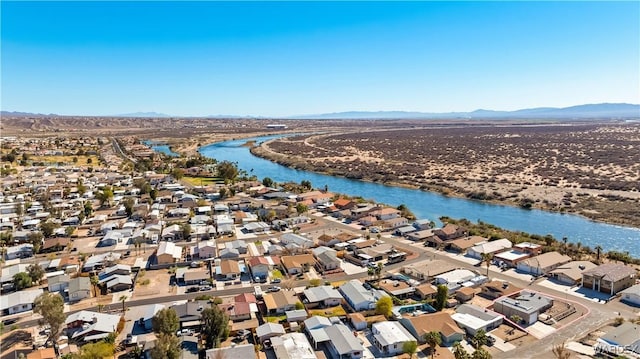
(264, 270)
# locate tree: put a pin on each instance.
(123, 298)
(100, 308)
(88, 208)
(479, 339)
(299, 305)
(384, 306)
(186, 231)
(222, 192)
(35, 238)
(51, 307)
(441, 297)
(410, 347)
(306, 184)
(459, 352)
(301, 208)
(94, 282)
(560, 351)
(97, 350)
(267, 182)
(165, 321)
(89, 160)
(215, 324)
(167, 347)
(481, 353)
(433, 339)
(35, 272)
(405, 212)
(516, 318)
(177, 173)
(487, 258)
(105, 196)
(128, 206)
(68, 231)
(598, 253)
(227, 170)
(22, 280)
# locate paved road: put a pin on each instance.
(119, 152)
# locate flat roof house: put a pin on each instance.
(526, 305)
(390, 337)
(631, 295)
(472, 318)
(609, 278)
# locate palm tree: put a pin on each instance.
(459, 352)
(598, 253)
(94, 282)
(100, 308)
(565, 240)
(479, 339)
(487, 258)
(433, 339)
(379, 269)
(123, 299)
(560, 351)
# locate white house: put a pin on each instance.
(542, 264)
(390, 337)
(631, 295)
(489, 248)
(358, 297)
(18, 302)
(472, 318)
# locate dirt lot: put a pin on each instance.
(512, 335)
(158, 284)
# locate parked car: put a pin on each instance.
(274, 289)
(192, 289)
(276, 280)
(205, 288)
(184, 332)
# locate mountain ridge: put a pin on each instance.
(586, 111)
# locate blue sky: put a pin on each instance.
(279, 59)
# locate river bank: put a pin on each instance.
(615, 207)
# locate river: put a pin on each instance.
(432, 205)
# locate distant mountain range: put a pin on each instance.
(603, 110)
(590, 111)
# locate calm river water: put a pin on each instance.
(432, 206)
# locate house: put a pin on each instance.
(542, 264)
(292, 346)
(298, 263)
(440, 322)
(631, 295)
(228, 269)
(531, 248)
(571, 273)
(461, 245)
(454, 279)
(18, 302)
(195, 277)
(395, 223)
(527, 305)
(327, 261)
(496, 289)
(397, 288)
(99, 261)
(244, 351)
(46, 353)
(489, 248)
(89, 326)
(465, 294)
(259, 267)
(340, 341)
(296, 315)
(142, 315)
(297, 240)
(239, 245)
(426, 291)
(627, 336)
(358, 321)
(79, 288)
(428, 270)
(58, 283)
(449, 232)
(205, 249)
(189, 313)
(323, 296)
(55, 244)
(472, 318)
(358, 297)
(390, 337)
(269, 330)
(609, 278)
(510, 258)
(168, 253)
(117, 283)
(280, 302)
(237, 311)
(24, 250)
(10, 271)
(423, 224)
(116, 269)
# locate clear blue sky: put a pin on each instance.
(278, 59)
